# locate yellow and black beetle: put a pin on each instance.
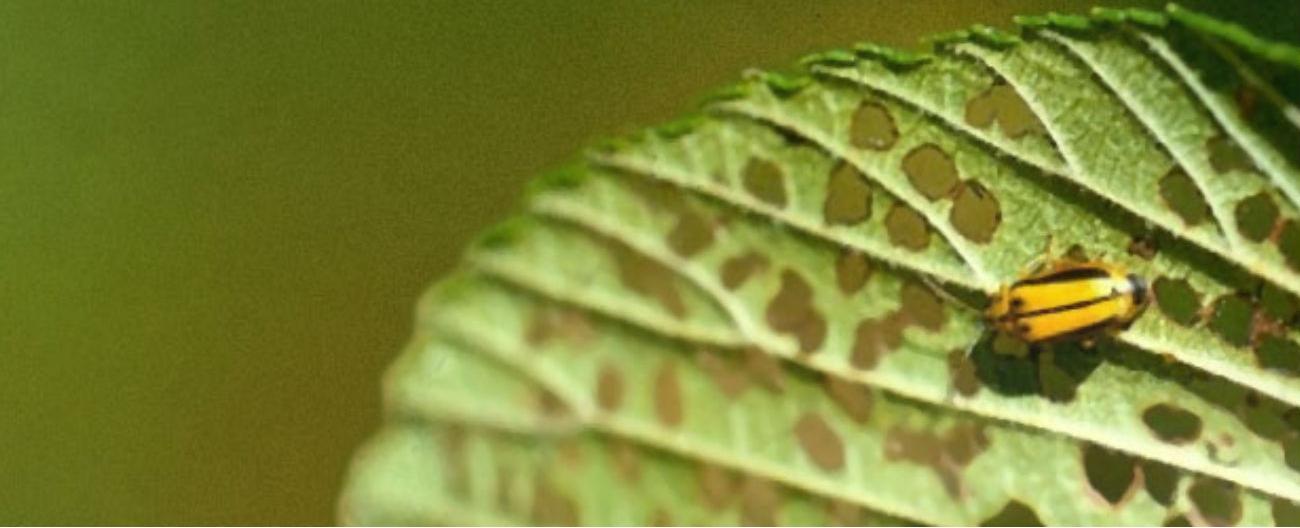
(1069, 301)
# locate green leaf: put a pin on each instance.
(769, 312)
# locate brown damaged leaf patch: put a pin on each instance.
(764, 368)
(1003, 105)
(792, 312)
(855, 399)
(820, 442)
(1171, 423)
(1161, 481)
(947, 455)
(648, 278)
(766, 181)
(1214, 502)
(848, 197)
(920, 305)
(907, 228)
(551, 508)
(975, 213)
(727, 371)
(852, 271)
(760, 502)
(553, 322)
(738, 269)
(609, 388)
(931, 171)
(874, 338)
(692, 234)
(718, 486)
(1015, 513)
(872, 127)
(1112, 475)
(668, 396)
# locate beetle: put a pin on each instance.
(1069, 301)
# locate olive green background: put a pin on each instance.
(215, 217)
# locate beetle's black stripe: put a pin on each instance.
(1068, 307)
(1067, 275)
(1085, 331)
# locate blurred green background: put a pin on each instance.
(215, 217)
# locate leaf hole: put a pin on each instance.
(1215, 502)
(848, 197)
(1183, 197)
(1171, 423)
(765, 181)
(1177, 300)
(872, 127)
(1112, 475)
(931, 171)
(907, 228)
(975, 212)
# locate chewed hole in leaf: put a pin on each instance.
(760, 502)
(668, 396)
(1171, 423)
(1015, 513)
(692, 233)
(738, 269)
(872, 127)
(1279, 353)
(552, 508)
(1002, 104)
(627, 459)
(791, 312)
(874, 338)
(852, 270)
(820, 442)
(1277, 303)
(1263, 418)
(1285, 513)
(765, 181)
(1226, 155)
(548, 405)
(842, 513)
(946, 454)
(920, 305)
(1183, 197)
(553, 322)
(907, 228)
(1177, 300)
(765, 369)
(931, 171)
(609, 388)
(718, 486)
(848, 197)
(1112, 475)
(648, 278)
(1256, 216)
(1291, 452)
(1232, 319)
(1288, 242)
(1161, 481)
(962, 375)
(855, 399)
(1215, 502)
(975, 212)
(727, 372)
